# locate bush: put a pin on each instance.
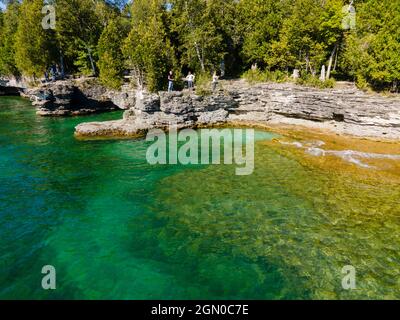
(203, 84)
(362, 83)
(257, 76)
(313, 81)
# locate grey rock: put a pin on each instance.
(265, 101)
(163, 110)
(147, 102)
(175, 102)
(124, 98)
(213, 117)
(70, 97)
(262, 103)
(9, 91)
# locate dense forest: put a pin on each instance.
(147, 38)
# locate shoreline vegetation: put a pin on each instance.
(317, 42)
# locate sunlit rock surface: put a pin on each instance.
(345, 110)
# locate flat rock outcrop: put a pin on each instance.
(163, 110)
(293, 101)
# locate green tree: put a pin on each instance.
(311, 33)
(78, 28)
(261, 22)
(10, 19)
(93, 37)
(147, 48)
(372, 51)
(111, 59)
(34, 46)
(198, 25)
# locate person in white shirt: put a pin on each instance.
(190, 80)
(214, 81)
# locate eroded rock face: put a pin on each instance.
(124, 98)
(147, 102)
(9, 91)
(51, 99)
(118, 128)
(213, 117)
(163, 110)
(263, 102)
(348, 108)
(12, 86)
(78, 97)
(176, 103)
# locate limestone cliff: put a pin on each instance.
(78, 97)
(345, 110)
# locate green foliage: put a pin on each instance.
(149, 38)
(371, 53)
(8, 29)
(203, 84)
(310, 32)
(34, 46)
(79, 26)
(201, 29)
(111, 60)
(313, 81)
(147, 49)
(260, 26)
(82, 61)
(257, 75)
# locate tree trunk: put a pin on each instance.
(307, 63)
(336, 59)
(199, 56)
(328, 73)
(62, 65)
(91, 60)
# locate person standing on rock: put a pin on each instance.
(214, 81)
(170, 81)
(190, 80)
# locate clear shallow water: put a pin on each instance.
(115, 227)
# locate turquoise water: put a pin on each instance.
(115, 227)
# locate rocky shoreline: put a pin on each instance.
(70, 97)
(346, 111)
(9, 91)
(77, 97)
